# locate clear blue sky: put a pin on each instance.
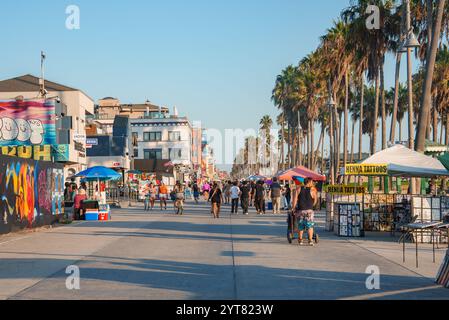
(215, 60)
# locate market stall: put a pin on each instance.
(387, 211)
(95, 207)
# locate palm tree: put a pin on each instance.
(265, 125)
(429, 72)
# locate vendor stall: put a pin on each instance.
(95, 207)
(386, 211)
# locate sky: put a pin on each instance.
(216, 61)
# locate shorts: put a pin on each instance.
(305, 219)
(304, 225)
(163, 197)
(180, 196)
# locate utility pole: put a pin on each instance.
(42, 91)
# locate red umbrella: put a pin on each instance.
(302, 172)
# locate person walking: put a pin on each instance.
(152, 191)
(180, 194)
(206, 190)
(227, 192)
(306, 200)
(252, 193)
(259, 197)
(163, 195)
(234, 193)
(288, 196)
(216, 199)
(196, 192)
(78, 203)
(245, 192)
(275, 193)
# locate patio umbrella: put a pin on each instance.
(299, 171)
(298, 180)
(99, 173)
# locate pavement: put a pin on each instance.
(158, 255)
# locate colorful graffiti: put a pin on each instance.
(59, 153)
(31, 193)
(25, 123)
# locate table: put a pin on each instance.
(412, 227)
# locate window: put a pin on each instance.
(135, 138)
(174, 136)
(152, 136)
(136, 153)
(175, 154)
(153, 154)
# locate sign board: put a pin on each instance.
(345, 190)
(92, 141)
(79, 137)
(366, 170)
(116, 164)
(27, 123)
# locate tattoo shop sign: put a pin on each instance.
(366, 170)
(345, 190)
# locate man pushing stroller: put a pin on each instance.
(304, 201)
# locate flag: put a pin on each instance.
(298, 180)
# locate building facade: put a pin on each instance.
(72, 106)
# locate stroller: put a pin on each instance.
(292, 229)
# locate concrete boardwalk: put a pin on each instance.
(159, 255)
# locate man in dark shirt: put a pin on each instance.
(275, 192)
(244, 197)
(259, 198)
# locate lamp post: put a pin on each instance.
(331, 104)
(410, 43)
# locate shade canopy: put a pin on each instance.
(99, 173)
(444, 159)
(404, 162)
(301, 172)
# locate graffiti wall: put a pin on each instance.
(27, 123)
(31, 193)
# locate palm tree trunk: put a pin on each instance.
(446, 140)
(289, 145)
(435, 124)
(400, 130)
(337, 142)
(346, 118)
(396, 98)
(312, 145)
(362, 96)
(331, 146)
(352, 141)
(383, 111)
(430, 68)
(282, 144)
(320, 144)
(376, 115)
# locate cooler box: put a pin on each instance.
(104, 213)
(103, 216)
(270, 205)
(91, 215)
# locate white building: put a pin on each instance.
(163, 139)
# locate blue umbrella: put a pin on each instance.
(99, 173)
